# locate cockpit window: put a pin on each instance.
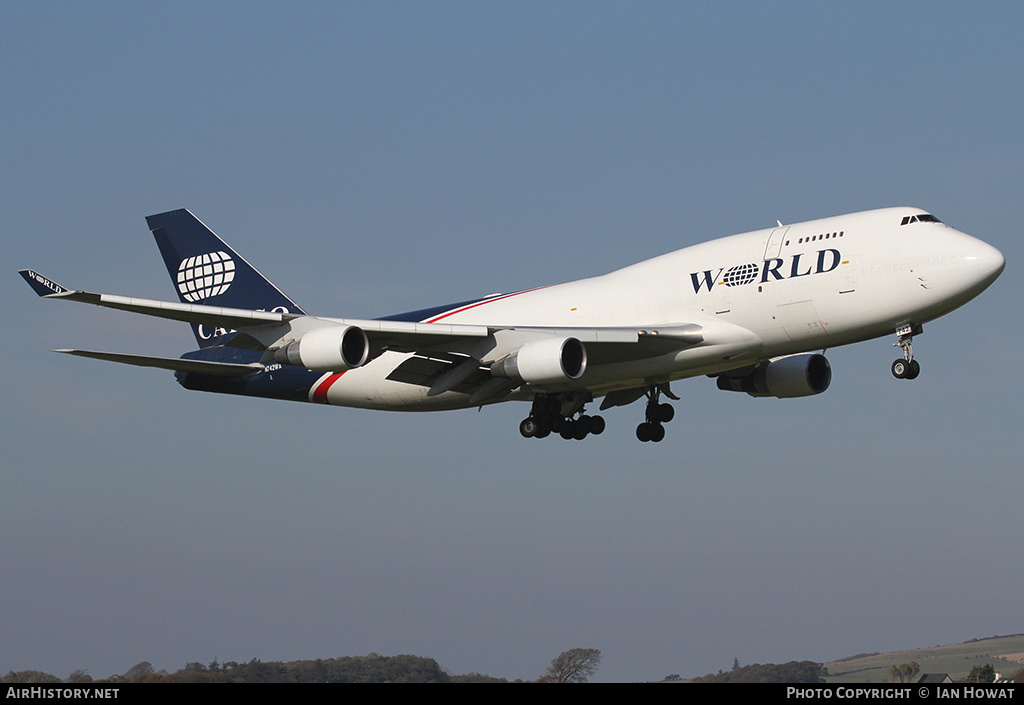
(921, 218)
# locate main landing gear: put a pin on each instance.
(908, 367)
(656, 414)
(563, 414)
(565, 417)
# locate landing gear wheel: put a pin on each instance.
(666, 412)
(579, 430)
(529, 428)
(906, 369)
(648, 431)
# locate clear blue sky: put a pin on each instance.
(374, 157)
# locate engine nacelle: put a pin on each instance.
(786, 377)
(327, 349)
(547, 361)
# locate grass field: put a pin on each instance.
(1005, 653)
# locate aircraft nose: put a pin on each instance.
(989, 261)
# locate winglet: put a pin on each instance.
(41, 285)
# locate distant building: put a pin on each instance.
(935, 678)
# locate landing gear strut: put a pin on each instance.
(563, 416)
(655, 414)
(908, 367)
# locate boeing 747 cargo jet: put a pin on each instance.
(754, 311)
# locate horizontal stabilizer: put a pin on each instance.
(203, 367)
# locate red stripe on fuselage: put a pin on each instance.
(435, 319)
(320, 393)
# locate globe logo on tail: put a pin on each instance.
(203, 276)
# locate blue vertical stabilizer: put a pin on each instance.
(205, 270)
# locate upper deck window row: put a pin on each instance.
(815, 238)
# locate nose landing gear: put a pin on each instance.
(908, 367)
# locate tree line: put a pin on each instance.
(572, 666)
(791, 672)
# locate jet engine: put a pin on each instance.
(784, 377)
(327, 349)
(546, 361)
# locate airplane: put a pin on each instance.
(750, 310)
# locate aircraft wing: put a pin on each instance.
(388, 333)
(190, 313)
(402, 336)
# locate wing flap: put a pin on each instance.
(441, 373)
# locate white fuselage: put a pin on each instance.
(757, 295)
